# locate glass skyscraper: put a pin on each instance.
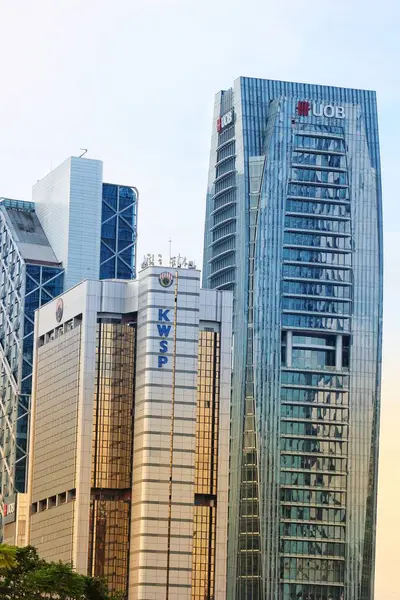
(77, 228)
(294, 228)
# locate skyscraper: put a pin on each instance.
(294, 228)
(77, 227)
(130, 434)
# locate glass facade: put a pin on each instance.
(24, 286)
(206, 467)
(118, 232)
(304, 258)
(112, 454)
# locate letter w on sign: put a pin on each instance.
(163, 330)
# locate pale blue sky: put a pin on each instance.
(134, 81)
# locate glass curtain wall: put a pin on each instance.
(112, 454)
(203, 578)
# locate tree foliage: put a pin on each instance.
(7, 557)
(25, 576)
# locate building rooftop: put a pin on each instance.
(28, 232)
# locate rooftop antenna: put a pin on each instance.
(83, 153)
(170, 249)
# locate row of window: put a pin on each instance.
(316, 289)
(227, 133)
(332, 571)
(331, 481)
(322, 273)
(226, 151)
(224, 280)
(328, 209)
(319, 241)
(310, 359)
(315, 322)
(53, 501)
(312, 548)
(313, 396)
(322, 160)
(227, 198)
(313, 463)
(334, 447)
(315, 256)
(335, 307)
(298, 591)
(310, 339)
(318, 191)
(307, 530)
(314, 429)
(224, 246)
(304, 129)
(325, 225)
(313, 496)
(309, 513)
(225, 167)
(319, 143)
(225, 182)
(227, 213)
(229, 228)
(295, 411)
(315, 176)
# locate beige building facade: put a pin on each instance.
(128, 477)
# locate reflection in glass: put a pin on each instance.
(206, 467)
(112, 454)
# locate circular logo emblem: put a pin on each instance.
(166, 279)
(59, 310)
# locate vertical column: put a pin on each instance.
(339, 352)
(164, 435)
(289, 348)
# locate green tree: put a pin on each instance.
(7, 556)
(28, 577)
(56, 580)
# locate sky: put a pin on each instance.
(133, 81)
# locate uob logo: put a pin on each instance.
(319, 110)
(163, 332)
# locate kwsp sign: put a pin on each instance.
(163, 332)
(320, 110)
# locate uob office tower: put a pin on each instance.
(294, 228)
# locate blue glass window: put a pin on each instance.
(118, 232)
(110, 194)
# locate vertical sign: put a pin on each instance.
(163, 331)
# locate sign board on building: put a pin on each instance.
(163, 332)
(319, 110)
(225, 120)
(10, 509)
